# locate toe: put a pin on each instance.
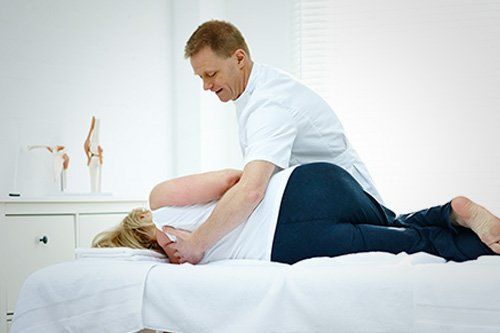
(493, 234)
(461, 206)
(495, 247)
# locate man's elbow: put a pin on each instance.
(254, 196)
(254, 181)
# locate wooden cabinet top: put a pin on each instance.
(69, 205)
(70, 199)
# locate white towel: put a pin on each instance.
(120, 253)
(83, 296)
(458, 297)
(364, 292)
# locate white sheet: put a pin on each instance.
(458, 297)
(83, 296)
(368, 292)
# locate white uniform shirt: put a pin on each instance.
(284, 122)
(250, 240)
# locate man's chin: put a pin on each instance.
(223, 99)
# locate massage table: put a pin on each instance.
(364, 292)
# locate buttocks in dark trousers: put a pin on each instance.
(325, 212)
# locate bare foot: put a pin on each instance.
(468, 214)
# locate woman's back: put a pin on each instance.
(251, 240)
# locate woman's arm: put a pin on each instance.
(193, 189)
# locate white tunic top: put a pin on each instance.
(284, 122)
(252, 239)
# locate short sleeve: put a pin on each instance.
(270, 133)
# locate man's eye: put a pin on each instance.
(211, 74)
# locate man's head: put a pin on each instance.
(220, 56)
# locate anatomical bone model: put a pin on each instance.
(60, 162)
(93, 151)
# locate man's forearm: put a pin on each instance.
(232, 210)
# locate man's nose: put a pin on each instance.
(207, 85)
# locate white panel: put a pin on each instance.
(416, 85)
(25, 253)
(186, 91)
(90, 225)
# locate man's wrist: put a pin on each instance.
(197, 243)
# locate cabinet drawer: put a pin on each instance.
(33, 242)
(89, 225)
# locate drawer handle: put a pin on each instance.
(44, 240)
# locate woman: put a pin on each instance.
(308, 211)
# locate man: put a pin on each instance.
(281, 123)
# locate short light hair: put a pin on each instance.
(221, 36)
(136, 231)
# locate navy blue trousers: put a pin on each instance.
(325, 212)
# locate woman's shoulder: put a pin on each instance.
(183, 217)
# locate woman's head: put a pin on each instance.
(136, 231)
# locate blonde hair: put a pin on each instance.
(136, 231)
(221, 36)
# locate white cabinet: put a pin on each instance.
(39, 232)
(91, 224)
(33, 242)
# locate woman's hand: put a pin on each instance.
(184, 249)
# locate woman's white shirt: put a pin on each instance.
(253, 239)
(284, 122)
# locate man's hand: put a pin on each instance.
(183, 249)
(164, 242)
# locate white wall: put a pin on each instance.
(122, 61)
(417, 86)
(427, 127)
(62, 62)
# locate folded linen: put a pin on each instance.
(83, 296)
(120, 253)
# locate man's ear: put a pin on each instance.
(241, 57)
